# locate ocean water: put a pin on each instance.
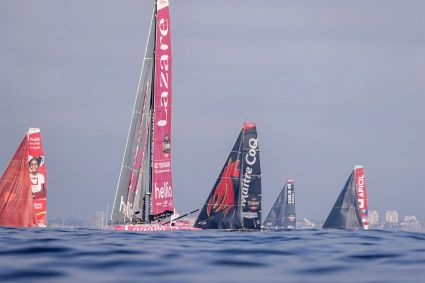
(88, 255)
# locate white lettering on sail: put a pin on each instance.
(291, 195)
(164, 75)
(163, 29)
(164, 62)
(164, 164)
(250, 160)
(164, 103)
(126, 208)
(360, 191)
(251, 156)
(163, 192)
(163, 82)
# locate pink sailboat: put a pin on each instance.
(144, 199)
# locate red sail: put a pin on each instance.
(38, 178)
(16, 202)
(360, 182)
(162, 193)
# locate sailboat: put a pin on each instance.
(235, 200)
(23, 185)
(144, 199)
(350, 210)
(282, 215)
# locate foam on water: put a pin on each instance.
(85, 255)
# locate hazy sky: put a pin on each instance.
(330, 84)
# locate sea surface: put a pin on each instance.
(88, 255)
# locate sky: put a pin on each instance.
(330, 84)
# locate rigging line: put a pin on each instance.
(132, 181)
(135, 105)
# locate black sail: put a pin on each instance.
(235, 200)
(345, 213)
(135, 168)
(221, 210)
(282, 214)
(250, 178)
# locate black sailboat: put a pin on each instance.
(350, 209)
(235, 200)
(282, 215)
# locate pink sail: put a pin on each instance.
(162, 192)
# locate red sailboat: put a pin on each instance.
(23, 185)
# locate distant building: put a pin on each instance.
(100, 220)
(373, 217)
(410, 218)
(306, 224)
(391, 217)
(410, 223)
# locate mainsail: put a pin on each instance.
(235, 200)
(282, 214)
(350, 209)
(144, 191)
(23, 185)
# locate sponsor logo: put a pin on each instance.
(253, 203)
(291, 195)
(34, 142)
(291, 217)
(144, 228)
(250, 159)
(249, 215)
(38, 206)
(224, 194)
(163, 192)
(166, 146)
(125, 207)
(162, 165)
(360, 191)
(164, 65)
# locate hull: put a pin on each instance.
(153, 228)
